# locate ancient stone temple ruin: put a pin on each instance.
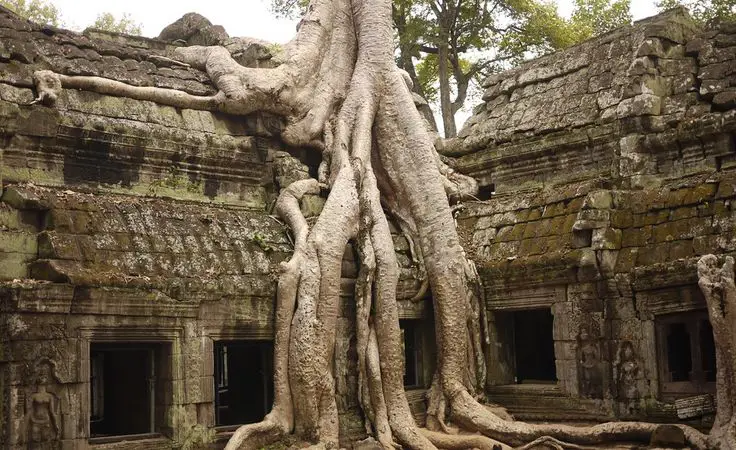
(139, 256)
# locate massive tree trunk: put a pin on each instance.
(341, 93)
(717, 285)
(448, 115)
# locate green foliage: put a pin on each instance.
(39, 11)
(482, 37)
(289, 9)
(260, 241)
(45, 12)
(427, 73)
(704, 10)
(174, 180)
(108, 22)
(594, 17)
(540, 30)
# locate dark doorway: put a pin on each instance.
(243, 381)
(534, 346)
(687, 354)
(412, 333)
(122, 389)
(679, 352)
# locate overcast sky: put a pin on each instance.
(239, 17)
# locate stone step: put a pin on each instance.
(544, 403)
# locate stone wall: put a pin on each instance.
(609, 172)
(125, 222)
(638, 104)
(128, 222)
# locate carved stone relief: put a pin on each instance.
(42, 421)
(626, 372)
(589, 362)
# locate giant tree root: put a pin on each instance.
(340, 92)
(717, 285)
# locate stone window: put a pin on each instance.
(243, 381)
(417, 335)
(128, 385)
(527, 338)
(485, 192)
(412, 334)
(686, 354)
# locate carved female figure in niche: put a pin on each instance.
(626, 371)
(42, 424)
(589, 363)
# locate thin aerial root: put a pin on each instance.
(363, 297)
(463, 441)
(380, 410)
(549, 441)
(287, 208)
(472, 415)
(436, 407)
(50, 84)
(257, 435)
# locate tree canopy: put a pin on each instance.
(39, 11)
(125, 24)
(704, 10)
(447, 45)
(45, 12)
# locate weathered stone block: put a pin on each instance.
(13, 219)
(41, 121)
(20, 197)
(14, 265)
(653, 254)
(703, 245)
(684, 212)
(311, 205)
(591, 219)
(598, 200)
(587, 265)
(641, 105)
(681, 250)
(701, 193)
(651, 47)
(18, 242)
(606, 239)
(53, 245)
(725, 100)
(709, 87)
(636, 237)
(607, 261)
(621, 219)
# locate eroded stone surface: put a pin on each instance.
(610, 167)
(127, 221)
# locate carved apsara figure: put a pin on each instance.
(589, 357)
(42, 425)
(626, 372)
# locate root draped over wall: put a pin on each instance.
(342, 95)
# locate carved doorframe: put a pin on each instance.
(170, 337)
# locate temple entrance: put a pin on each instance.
(122, 389)
(534, 346)
(687, 354)
(527, 347)
(243, 381)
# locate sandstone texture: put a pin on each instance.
(606, 172)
